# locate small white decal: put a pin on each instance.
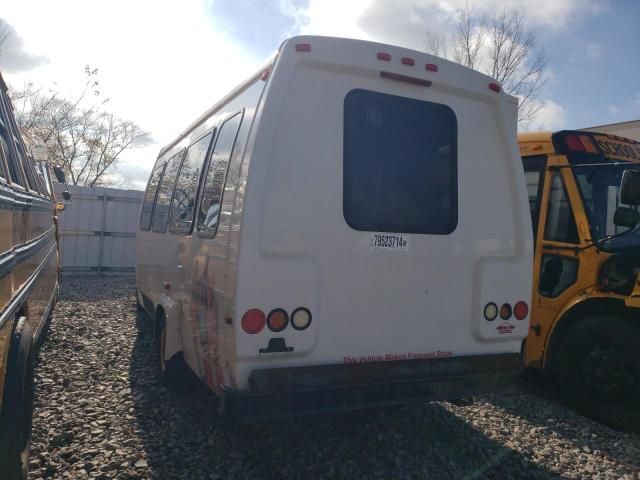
(389, 241)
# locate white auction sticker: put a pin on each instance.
(389, 241)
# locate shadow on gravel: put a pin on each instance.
(551, 414)
(183, 439)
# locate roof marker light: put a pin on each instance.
(495, 87)
(386, 57)
(574, 144)
(405, 78)
(432, 67)
(265, 75)
(408, 61)
(303, 47)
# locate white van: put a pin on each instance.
(346, 228)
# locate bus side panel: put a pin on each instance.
(214, 259)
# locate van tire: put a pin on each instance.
(597, 369)
(17, 405)
(174, 371)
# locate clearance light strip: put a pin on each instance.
(405, 78)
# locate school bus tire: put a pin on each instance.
(17, 405)
(597, 369)
(173, 372)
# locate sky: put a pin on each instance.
(163, 63)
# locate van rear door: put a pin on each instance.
(392, 208)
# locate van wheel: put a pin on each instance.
(17, 406)
(172, 372)
(597, 368)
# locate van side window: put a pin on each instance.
(400, 164)
(184, 200)
(210, 204)
(150, 196)
(165, 192)
(561, 225)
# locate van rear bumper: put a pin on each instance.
(309, 390)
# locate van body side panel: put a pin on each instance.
(214, 252)
(369, 304)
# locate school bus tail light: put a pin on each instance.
(506, 311)
(301, 318)
(253, 321)
(580, 143)
(277, 320)
(520, 310)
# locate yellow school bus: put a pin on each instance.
(28, 282)
(585, 318)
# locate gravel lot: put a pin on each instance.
(101, 413)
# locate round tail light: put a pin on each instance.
(300, 318)
(505, 311)
(277, 320)
(253, 321)
(521, 310)
(491, 311)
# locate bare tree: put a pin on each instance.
(85, 140)
(502, 47)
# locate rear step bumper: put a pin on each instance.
(324, 388)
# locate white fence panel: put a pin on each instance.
(98, 229)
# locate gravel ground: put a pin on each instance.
(101, 413)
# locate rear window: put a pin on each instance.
(400, 164)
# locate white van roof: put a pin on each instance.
(413, 64)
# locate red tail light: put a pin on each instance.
(495, 87)
(253, 321)
(432, 67)
(521, 310)
(408, 61)
(303, 47)
(384, 56)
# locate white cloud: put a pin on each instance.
(551, 116)
(161, 63)
(13, 56)
(594, 51)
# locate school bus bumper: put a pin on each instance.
(329, 388)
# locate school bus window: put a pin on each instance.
(184, 201)
(209, 214)
(561, 224)
(557, 274)
(6, 153)
(150, 197)
(165, 192)
(400, 164)
(4, 161)
(534, 181)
